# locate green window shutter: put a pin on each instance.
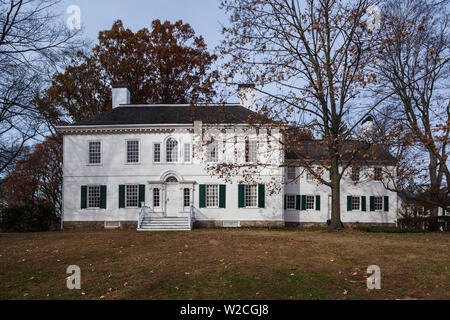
(303, 203)
(83, 197)
(103, 197)
(202, 196)
(317, 203)
(372, 203)
(141, 194)
(261, 196)
(363, 203)
(285, 202)
(386, 204)
(121, 196)
(222, 196)
(298, 202)
(241, 197)
(349, 203)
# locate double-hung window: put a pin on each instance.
(132, 151)
(132, 196)
(93, 197)
(378, 174)
(250, 150)
(213, 151)
(157, 152)
(291, 173)
(310, 202)
(251, 196)
(95, 152)
(186, 197)
(212, 196)
(187, 152)
(378, 203)
(290, 202)
(356, 203)
(355, 174)
(156, 198)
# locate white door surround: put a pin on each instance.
(172, 197)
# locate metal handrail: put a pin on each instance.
(142, 214)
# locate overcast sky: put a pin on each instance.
(203, 15)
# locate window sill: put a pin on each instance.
(94, 165)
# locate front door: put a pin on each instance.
(171, 200)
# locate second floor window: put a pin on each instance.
(172, 150)
(291, 173)
(95, 152)
(133, 151)
(250, 151)
(213, 151)
(378, 174)
(187, 152)
(157, 152)
(355, 174)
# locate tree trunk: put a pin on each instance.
(336, 223)
(435, 186)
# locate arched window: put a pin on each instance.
(172, 150)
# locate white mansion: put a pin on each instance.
(146, 167)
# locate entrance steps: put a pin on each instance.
(165, 224)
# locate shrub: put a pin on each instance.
(391, 230)
(29, 218)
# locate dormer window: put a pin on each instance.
(355, 175)
(171, 150)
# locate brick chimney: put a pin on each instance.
(246, 93)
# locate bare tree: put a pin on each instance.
(33, 40)
(414, 64)
(309, 60)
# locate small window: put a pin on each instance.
(172, 150)
(251, 196)
(378, 201)
(131, 196)
(171, 179)
(156, 198)
(250, 151)
(133, 151)
(212, 196)
(378, 174)
(157, 152)
(95, 152)
(290, 202)
(355, 174)
(310, 202)
(187, 197)
(309, 176)
(93, 197)
(213, 151)
(291, 173)
(356, 203)
(187, 152)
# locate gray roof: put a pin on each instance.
(317, 150)
(171, 114)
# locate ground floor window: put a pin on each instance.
(93, 196)
(356, 203)
(378, 203)
(290, 202)
(251, 196)
(310, 202)
(156, 198)
(132, 196)
(212, 196)
(187, 197)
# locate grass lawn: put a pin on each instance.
(224, 264)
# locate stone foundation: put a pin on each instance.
(97, 225)
(244, 224)
(346, 224)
